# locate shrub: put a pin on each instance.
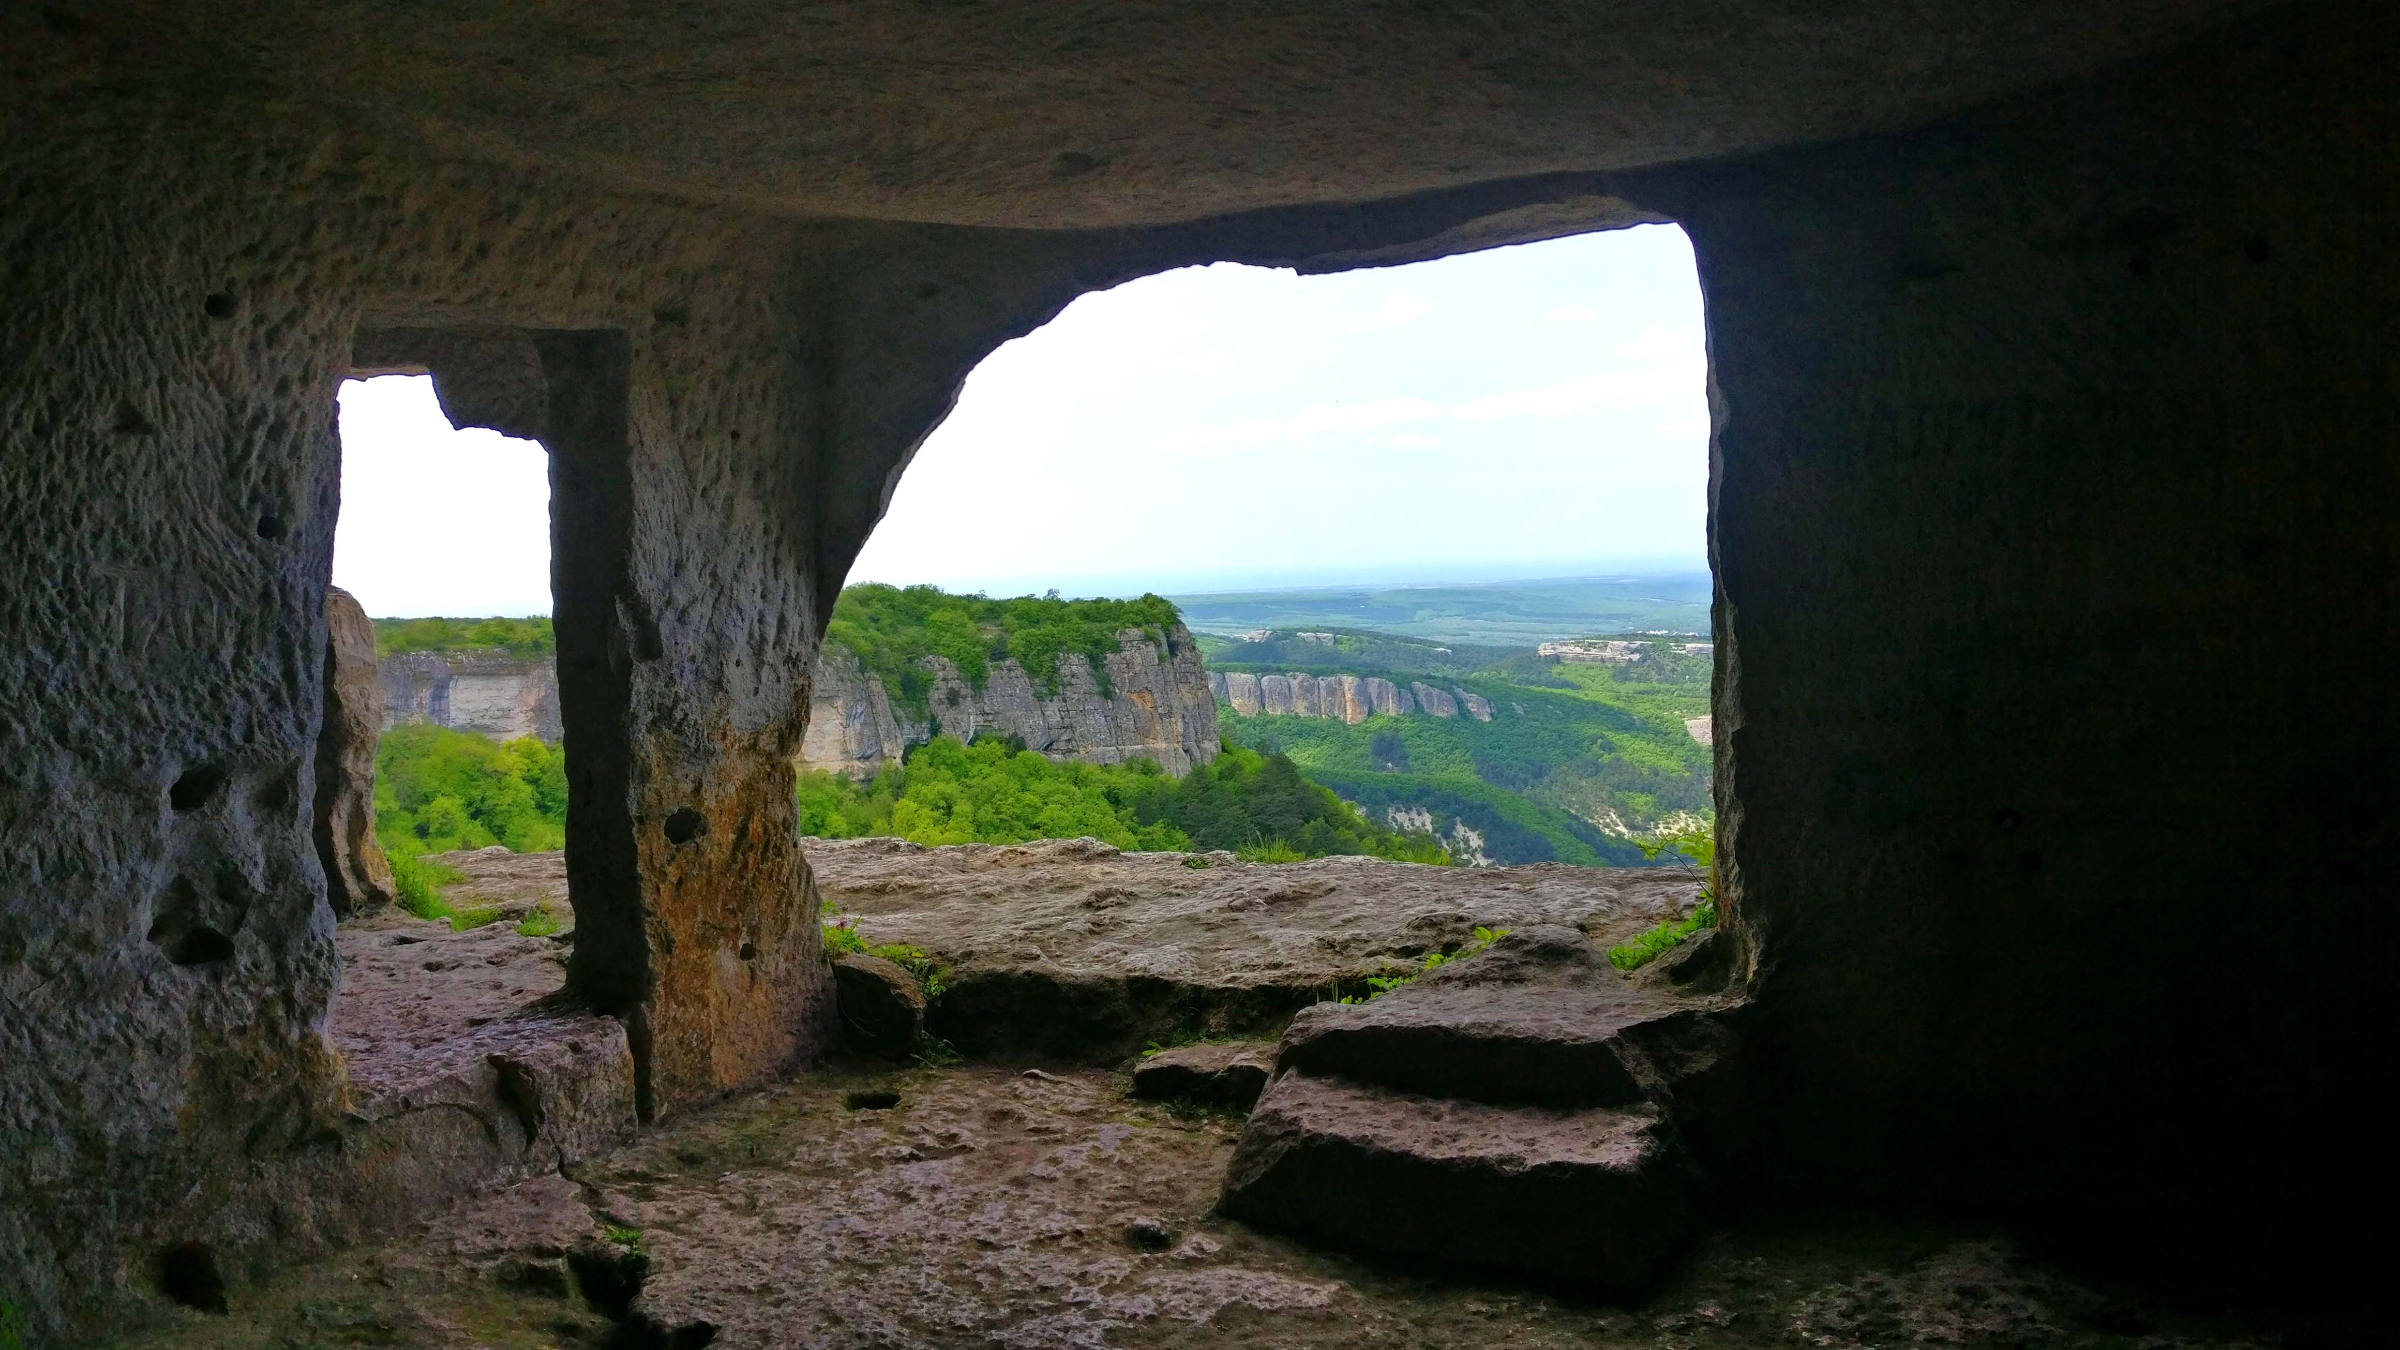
(437, 789)
(417, 888)
(1698, 849)
(527, 639)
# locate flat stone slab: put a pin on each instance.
(409, 983)
(1211, 1075)
(1540, 1018)
(1596, 1200)
(1069, 949)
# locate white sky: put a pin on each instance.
(1529, 411)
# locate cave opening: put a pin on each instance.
(1498, 457)
(442, 756)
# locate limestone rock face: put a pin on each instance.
(490, 692)
(1160, 705)
(1347, 698)
(357, 879)
(850, 724)
(1434, 701)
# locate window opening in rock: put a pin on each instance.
(1407, 562)
(444, 704)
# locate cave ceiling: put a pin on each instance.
(1094, 113)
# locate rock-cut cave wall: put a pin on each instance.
(2074, 410)
(189, 289)
(2051, 496)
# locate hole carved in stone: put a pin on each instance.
(685, 825)
(188, 1274)
(197, 788)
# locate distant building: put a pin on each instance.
(1595, 651)
(1258, 635)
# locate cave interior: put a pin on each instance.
(2054, 444)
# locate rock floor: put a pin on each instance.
(992, 1207)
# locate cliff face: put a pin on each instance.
(1159, 707)
(491, 692)
(851, 728)
(1349, 698)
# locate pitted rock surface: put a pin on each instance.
(408, 983)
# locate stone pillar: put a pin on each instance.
(357, 879)
(686, 636)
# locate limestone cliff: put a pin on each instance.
(481, 690)
(1158, 706)
(1348, 698)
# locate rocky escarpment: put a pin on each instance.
(1157, 705)
(484, 690)
(1348, 698)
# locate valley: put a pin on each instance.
(948, 719)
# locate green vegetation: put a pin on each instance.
(842, 939)
(12, 1327)
(1642, 950)
(1578, 763)
(417, 887)
(893, 629)
(527, 639)
(1259, 806)
(1697, 849)
(629, 1239)
(541, 922)
(1483, 937)
(1512, 613)
(437, 789)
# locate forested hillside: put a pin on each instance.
(891, 628)
(1576, 763)
(1258, 806)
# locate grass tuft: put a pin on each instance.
(1647, 948)
(1698, 849)
(417, 887)
(842, 939)
(541, 922)
(1379, 985)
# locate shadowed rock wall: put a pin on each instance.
(2044, 437)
